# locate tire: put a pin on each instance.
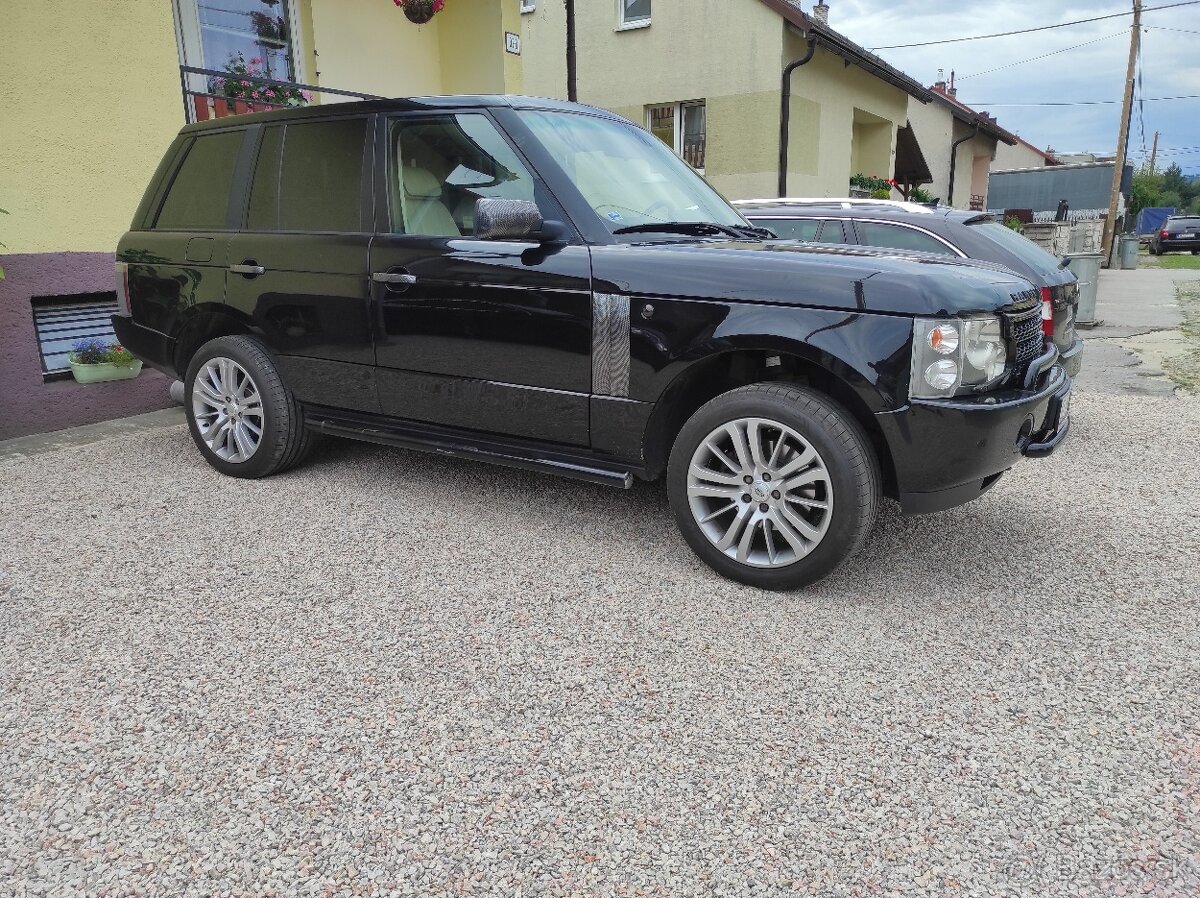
(282, 442)
(843, 477)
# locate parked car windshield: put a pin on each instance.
(629, 177)
(1021, 247)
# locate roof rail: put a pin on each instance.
(845, 202)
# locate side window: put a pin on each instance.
(792, 228)
(199, 196)
(320, 178)
(833, 232)
(898, 237)
(264, 193)
(440, 166)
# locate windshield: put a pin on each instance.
(629, 177)
(1021, 247)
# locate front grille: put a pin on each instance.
(1025, 338)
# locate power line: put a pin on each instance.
(1043, 56)
(1178, 30)
(1087, 102)
(981, 37)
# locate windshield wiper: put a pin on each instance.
(698, 228)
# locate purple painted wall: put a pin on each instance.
(29, 405)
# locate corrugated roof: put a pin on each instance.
(842, 46)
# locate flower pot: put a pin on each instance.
(105, 371)
(419, 11)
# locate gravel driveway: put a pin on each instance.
(390, 673)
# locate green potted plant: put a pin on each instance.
(420, 11)
(94, 361)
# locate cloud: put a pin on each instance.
(1093, 72)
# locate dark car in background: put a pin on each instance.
(941, 230)
(1179, 232)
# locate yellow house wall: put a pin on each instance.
(965, 170)
(84, 119)
(1019, 156)
(369, 45)
(825, 94)
(934, 127)
(726, 53)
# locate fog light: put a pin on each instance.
(942, 374)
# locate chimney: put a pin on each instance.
(951, 91)
(821, 12)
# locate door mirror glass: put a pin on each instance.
(502, 219)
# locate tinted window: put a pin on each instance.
(833, 232)
(792, 228)
(1022, 247)
(199, 196)
(320, 181)
(441, 166)
(896, 237)
(264, 194)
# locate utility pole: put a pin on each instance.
(572, 69)
(1153, 152)
(1110, 223)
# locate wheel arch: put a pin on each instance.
(207, 322)
(709, 376)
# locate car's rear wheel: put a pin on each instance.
(243, 418)
(773, 485)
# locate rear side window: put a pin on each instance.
(897, 237)
(792, 228)
(199, 196)
(320, 180)
(1013, 243)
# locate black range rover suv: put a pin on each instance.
(547, 286)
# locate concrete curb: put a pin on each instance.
(38, 443)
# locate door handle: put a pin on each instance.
(394, 277)
(248, 268)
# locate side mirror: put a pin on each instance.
(501, 219)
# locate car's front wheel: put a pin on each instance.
(773, 485)
(243, 418)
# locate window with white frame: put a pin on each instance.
(682, 127)
(257, 34)
(528, 5)
(633, 13)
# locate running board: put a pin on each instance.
(443, 441)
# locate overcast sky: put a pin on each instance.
(1170, 66)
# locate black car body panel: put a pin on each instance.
(578, 355)
(955, 232)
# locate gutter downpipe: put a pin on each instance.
(954, 162)
(785, 112)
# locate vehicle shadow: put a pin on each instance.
(974, 545)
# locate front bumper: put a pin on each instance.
(948, 452)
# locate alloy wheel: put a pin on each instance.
(227, 409)
(760, 492)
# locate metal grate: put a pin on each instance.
(1027, 340)
(61, 320)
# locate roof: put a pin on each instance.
(399, 104)
(840, 45)
(966, 114)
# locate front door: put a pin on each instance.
(482, 334)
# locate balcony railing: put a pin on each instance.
(201, 103)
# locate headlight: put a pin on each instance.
(955, 356)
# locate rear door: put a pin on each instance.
(488, 335)
(177, 265)
(298, 269)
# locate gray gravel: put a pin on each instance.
(389, 673)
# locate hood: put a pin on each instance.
(820, 275)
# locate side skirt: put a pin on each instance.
(507, 451)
